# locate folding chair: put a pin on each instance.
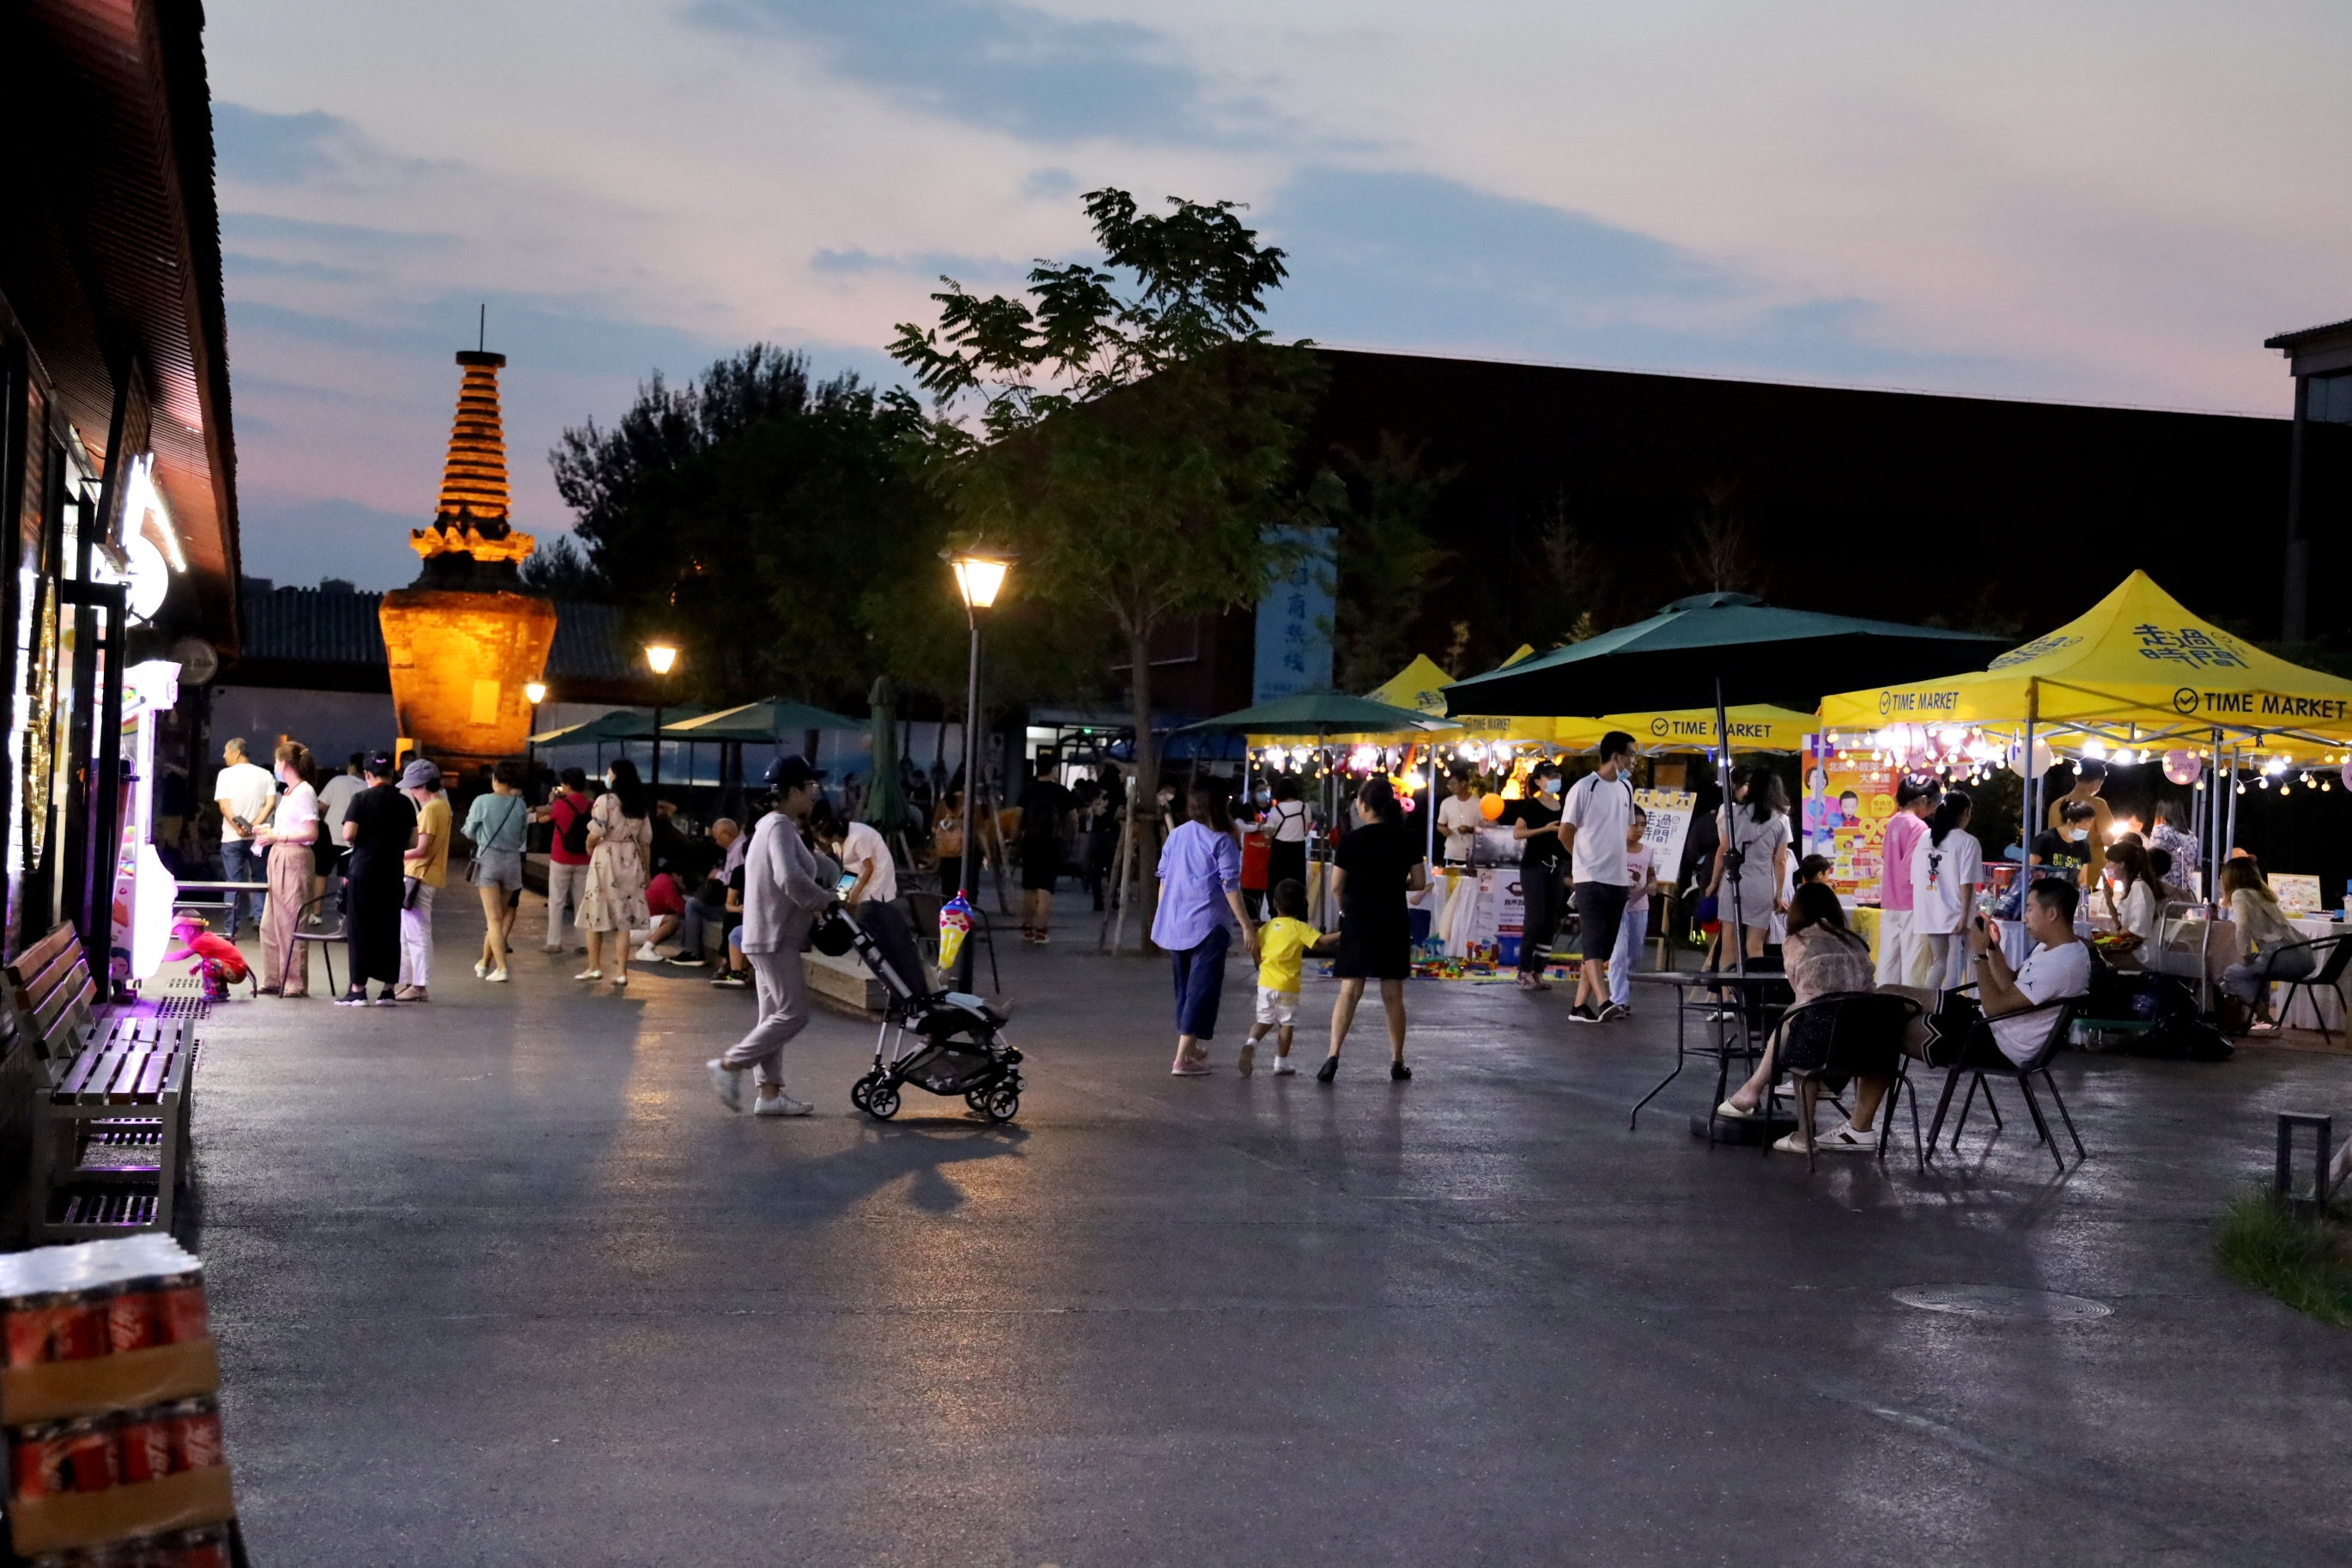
(2329, 954)
(1982, 1058)
(328, 940)
(1847, 1034)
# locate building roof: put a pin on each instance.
(113, 256)
(2316, 351)
(330, 640)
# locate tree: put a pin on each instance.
(560, 569)
(747, 512)
(1135, 428)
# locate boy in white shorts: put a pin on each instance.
(1283, 944)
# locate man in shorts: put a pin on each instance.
(1593, 824)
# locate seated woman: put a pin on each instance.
(2059, 966)
(2263, 928)
(1823, 957)
(2132, 894)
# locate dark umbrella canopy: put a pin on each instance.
(772, 720)
(1719, 648)
(1320, 712)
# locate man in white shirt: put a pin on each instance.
(784, 887)
(2059, 966)
(1593, 824)
(1458, 816)
(865, 855)
(245, 795)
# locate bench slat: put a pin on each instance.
(36, 989)
(124, 1085)
(151, 1077)
(37, 957)
(76, 990)
(78, 1073)
(93, 1088)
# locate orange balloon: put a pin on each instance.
(1490, 806)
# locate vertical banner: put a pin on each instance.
(1848, 801)
(1294, 619)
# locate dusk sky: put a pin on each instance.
(2108, 203)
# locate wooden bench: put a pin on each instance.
(111, 1138)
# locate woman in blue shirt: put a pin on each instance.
(1200, 883)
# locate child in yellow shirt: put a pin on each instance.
(1283, 945)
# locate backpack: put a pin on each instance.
(574, 833)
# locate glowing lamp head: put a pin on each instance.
(979, 577)
(660, 656)
(534, 693)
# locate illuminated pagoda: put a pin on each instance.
(465, 639)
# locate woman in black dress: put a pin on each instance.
(379, 826)
(1377, 865)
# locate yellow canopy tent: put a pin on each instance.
(2137, 668)
(2136, 674)
(1420, 685)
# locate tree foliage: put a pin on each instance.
(1387, 566)
(769, 523)
(1129, 427)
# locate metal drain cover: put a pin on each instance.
(2006, 1301)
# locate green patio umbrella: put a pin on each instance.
(1717, 649)
(1321, 713)
(885, 802)
(769, 720)
(620, 724)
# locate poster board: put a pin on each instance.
(1484, 908)
(1668, 828)
(1848, 803)
(2297, 895)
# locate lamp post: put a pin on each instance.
(659, 657)
(534, 692)
(979, 578)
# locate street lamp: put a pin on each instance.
(534, 692)
(979, 578)
(660, 656)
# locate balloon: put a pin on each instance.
(2346, 772)
(1490, 806)
(2183, 767)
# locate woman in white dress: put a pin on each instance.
(620, 846)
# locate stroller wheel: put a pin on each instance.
(882, 1101)
(859, 1090)
(1004, 1104)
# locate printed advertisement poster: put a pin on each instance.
(1485, 907)
(1667, 829)
(1847, 803)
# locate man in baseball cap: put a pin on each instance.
(785, 888)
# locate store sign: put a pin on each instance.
(1848, 803)
(1294, 619)
(1665, 828)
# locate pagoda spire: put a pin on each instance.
(472, 517)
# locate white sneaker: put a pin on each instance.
(481, 970)
(1851, 1139)
(730, 1085)
(782, 1104)
(496, 977)
(1282, 1067)
(646, 954)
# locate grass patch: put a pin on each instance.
(2306, 1263)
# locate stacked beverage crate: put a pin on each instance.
(107, 1398)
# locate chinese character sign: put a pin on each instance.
(1294, 623)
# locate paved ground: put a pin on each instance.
(498, 1281)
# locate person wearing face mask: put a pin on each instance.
(286, 838)
(2065, 850)
(1543, 872)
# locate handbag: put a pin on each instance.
(408, 891)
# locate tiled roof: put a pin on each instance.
(328, 627)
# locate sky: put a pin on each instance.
(2113, 201)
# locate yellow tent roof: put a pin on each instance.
(1755, 727)
(2136, 666)
(1420, 684)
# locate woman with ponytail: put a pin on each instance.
(1946, 869)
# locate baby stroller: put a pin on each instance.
(957, 1048)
